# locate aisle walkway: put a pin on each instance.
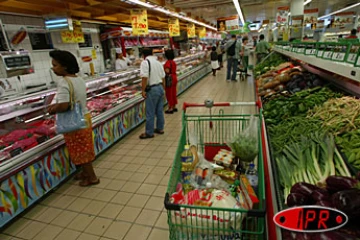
(128, 203)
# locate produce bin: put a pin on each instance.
(212, 132)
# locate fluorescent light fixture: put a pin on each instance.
(339, 11)
(275, 28)
(307, 2)
(58, 25)
(238, 9)
(64, 20)
(169, 13)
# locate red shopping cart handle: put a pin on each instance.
(221, 104)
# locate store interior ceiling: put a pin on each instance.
(117, 11)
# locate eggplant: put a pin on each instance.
(332, 235)
(324, 203)
(320, 195)
(303, 188)
(296, 199)
(347, 201)
(339, 183)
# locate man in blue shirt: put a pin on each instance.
(232, 49)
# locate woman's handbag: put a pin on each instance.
(73, 119)
(168, 78)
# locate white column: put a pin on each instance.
(297, 7)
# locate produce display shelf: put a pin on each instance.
(343, 69)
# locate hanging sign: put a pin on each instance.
(75, 36)
(139, 22)
(282, 15)
(311, 16)
(202, 32)
(228, 23)
(296, 22)
(174, 27)
(191, 30)
(344, 18)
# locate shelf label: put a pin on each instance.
(358, 61)
(327, 54)
(352, 57)
(320, 53)
(310, 51)
(300, 50)
(139, 22)
(338, 56)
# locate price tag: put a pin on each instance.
(174, 27)
(358, 62)
(338, 56)
(139, 21)
(352, 57)
(320, 53)
(301, 50)
(328, 54)
(191, 30)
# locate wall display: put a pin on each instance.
(18, 37)
(40, 40)
(139, 22)
(228, 23)
(174, 27)
(311, 16)
(87, 41)
(282, 15)
(191, 31)
(344, 18)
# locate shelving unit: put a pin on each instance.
(342, 69)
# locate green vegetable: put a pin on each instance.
(245, 148)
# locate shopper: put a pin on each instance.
(80, 142)
(153, 85)
(122, 63)
(245, 54)
(352, 34)
(214, 61)
(233, 48)
(170, 70)
(262, 49)
(220, 53)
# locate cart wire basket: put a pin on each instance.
(197, 222)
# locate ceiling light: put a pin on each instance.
(238, 9)
(167, 12)
(341, 10)
(275, 28)
(307, 2)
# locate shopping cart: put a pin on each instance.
(241, 69)
(212, 132)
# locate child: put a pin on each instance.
(214, 60)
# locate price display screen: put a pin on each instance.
(17, 61)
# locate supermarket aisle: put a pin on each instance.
(128, 203)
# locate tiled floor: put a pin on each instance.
(128, 203)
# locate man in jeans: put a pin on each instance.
(153, 85)
(232, 48)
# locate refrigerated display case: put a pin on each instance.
(34, 159)
(343, 75)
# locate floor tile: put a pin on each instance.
(146, 189)
(138, 232)
(115, 185)
(153, 179)
(121, 198)
(139, 160)
(123, 175)
(35, 212)
(111, 210)
(131, 187)
(79, 204)
(138, 177)
(145, 169)
(138, 200)
(16, 227)
(145, 153)
(129, 214)
(158, 234)
(165, 180)
(81, 222)
(86, 236)
(155, 203)
(64, 218)
(152, 161)
(160, 170)
(126, 159)
(31, 230)
(119, 166)
(162, 221)
(49, 232)
(98, 226)
(75, 190)
(147, 217)
(160, 191)
(103, 183)
(110, 174)
(105, 195)
(68, 234)
(131, 167)
(91, 193)
(117, 230)
(94, 207)
(7, 237)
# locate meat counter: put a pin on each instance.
(34, 159)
